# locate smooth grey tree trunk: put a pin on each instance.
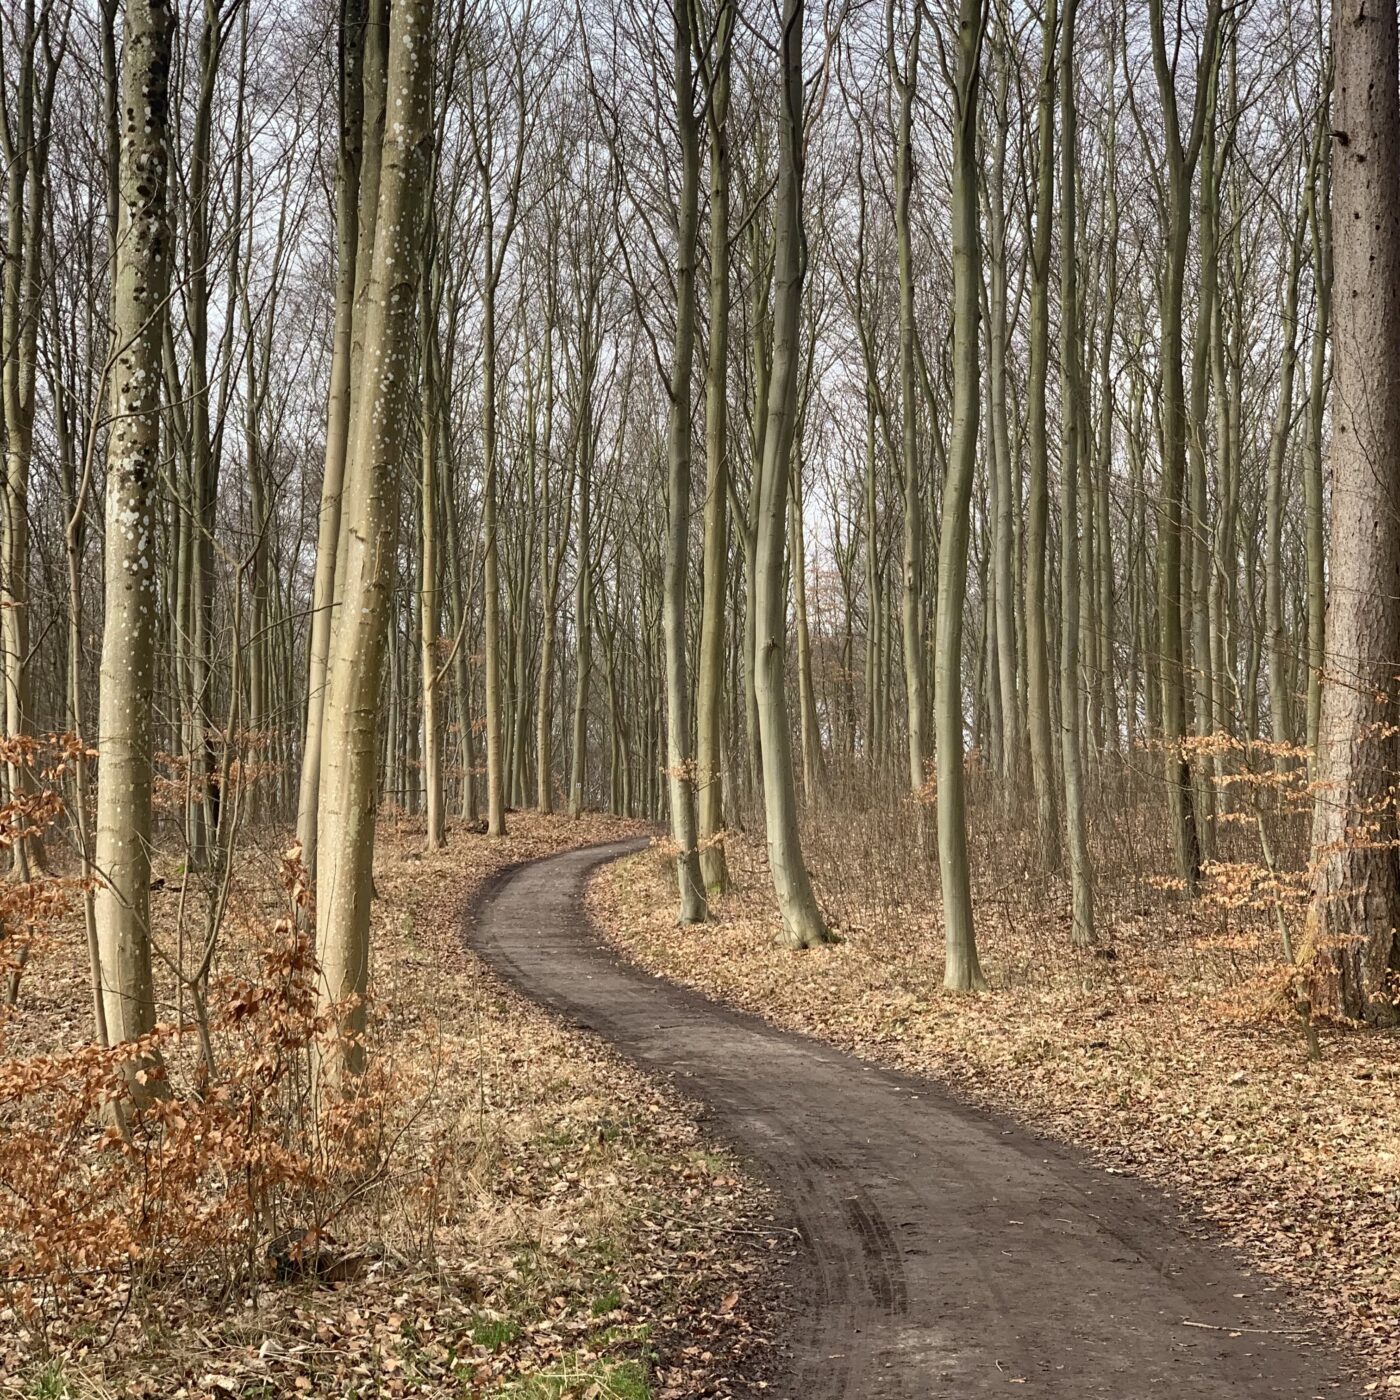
(680, 765)
(803, 926)
(962, 970)
(350, 40)
(349, 789)
(1038, 495)
(710, 682)
(124, 725)
(1073, 459)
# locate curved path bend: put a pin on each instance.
(947, 1252)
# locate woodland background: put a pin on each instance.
(903, 436)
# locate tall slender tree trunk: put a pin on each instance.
(1182, 155)
(1321, 233)
(962, 970)
(24, 145)
(1073, 459)
(709, 702)
(1199, 537)
(1038, 497)
(874, 699)
(1281, 653)
(1005, 473)
(912, 611)
(461, 668)
(803, 926)
(350, 45)
(495, 752)
(1103, 486)
(124, 727)
(680, 772)
(810, 728)
(382, 414)
(428, 607)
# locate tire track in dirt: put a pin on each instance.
(946, 1251)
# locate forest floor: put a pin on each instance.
(1161, 1059)
(549, 1223)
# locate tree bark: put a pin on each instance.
(350, 41)
(680, 772)
(348, 797)
(124, 727)
(1355, 904)
(709, 702)
(1073, 459)
(1038, 495)
(962, 970)
(803, 926)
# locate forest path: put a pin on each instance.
(946, 1252)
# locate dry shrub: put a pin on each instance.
(229, 1168)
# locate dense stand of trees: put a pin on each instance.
(393, 334)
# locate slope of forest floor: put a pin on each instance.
(546, 1222)
(1160, 1053)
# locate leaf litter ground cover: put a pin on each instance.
(546, 1222)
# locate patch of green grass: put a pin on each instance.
(629, 1382)
(625, 1380)
(710, 1162)
(50, 1383)
(607, 1302)
(495, 1332)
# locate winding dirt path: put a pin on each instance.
(947, 1252)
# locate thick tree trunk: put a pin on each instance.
(1356, 886)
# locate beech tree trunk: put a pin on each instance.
(680, 770)
(912, 610)
(1038, 496)
(351, 40)
(124, 724)
(1073, 458)
(382, 416)
(962, 971)
(709, 770)
(803, 926)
